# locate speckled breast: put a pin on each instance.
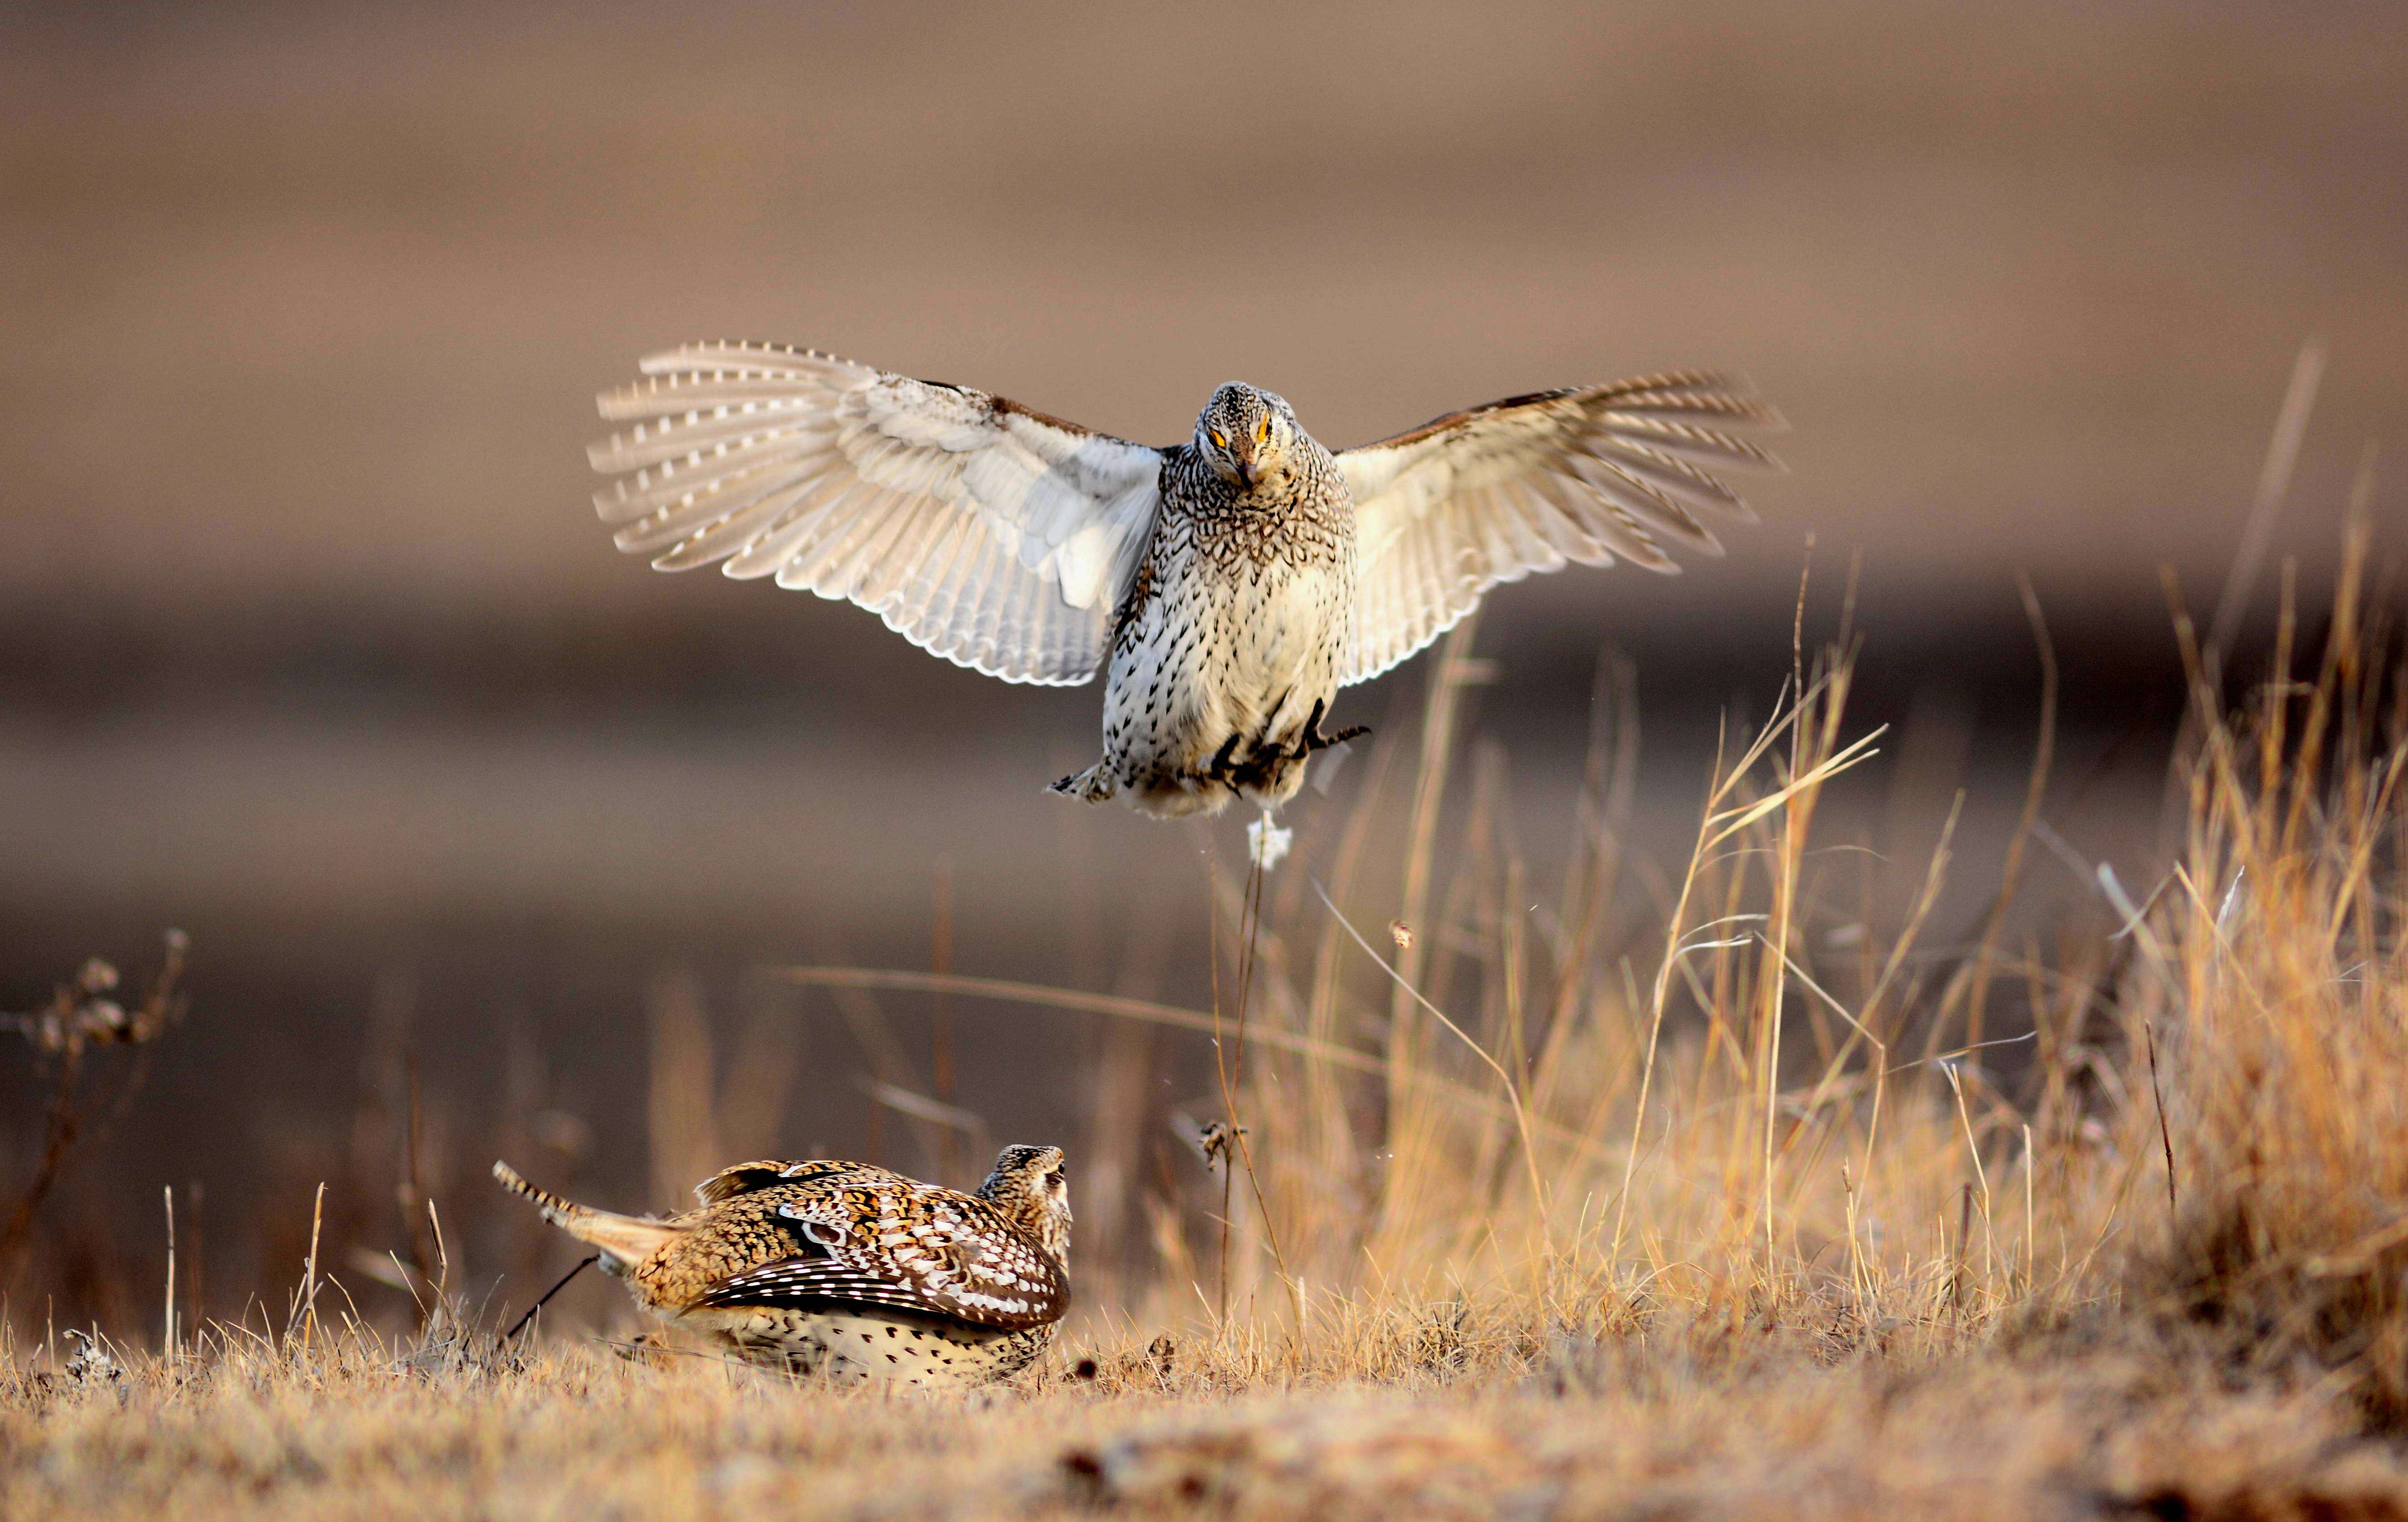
(860, 1348)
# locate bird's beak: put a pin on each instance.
(1244, 457)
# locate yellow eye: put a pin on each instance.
(1262, 429)
(1220, 440)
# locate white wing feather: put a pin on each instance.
(1529, 484)
(995, 537)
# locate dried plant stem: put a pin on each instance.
(309, 1270)
(1446, 681)
(1232, 1083)
(545, 1299)
(167, 1327)
(1118, 1006)
(1512, 1089)
(58, 1139)
(941, 1024)
(2273, 481)
(2165, 1133)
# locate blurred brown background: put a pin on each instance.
(313, 648)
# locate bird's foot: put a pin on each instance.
(1314, 740)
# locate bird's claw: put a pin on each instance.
(1222, 758)
(1314, 740)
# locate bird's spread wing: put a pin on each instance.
(948, 1257)
(995, 537)
(1588, 474)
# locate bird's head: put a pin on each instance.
(1028, 1187)
(1244, 432)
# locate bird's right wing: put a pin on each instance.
(997, 537)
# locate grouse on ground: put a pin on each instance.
(851, 1270)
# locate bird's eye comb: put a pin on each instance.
(1220, 440)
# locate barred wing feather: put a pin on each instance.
(983, 532)
(1582, 476)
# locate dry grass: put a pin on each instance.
(1654, 1427)
(1783, 1213)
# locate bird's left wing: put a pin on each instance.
(1591, 474)
(993, 535)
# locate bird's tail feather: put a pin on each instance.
(628, 1238)
(1091, 786)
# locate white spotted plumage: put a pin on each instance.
(1227, 588)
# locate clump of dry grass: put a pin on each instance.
(2270, 976)
(1727, 1216)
